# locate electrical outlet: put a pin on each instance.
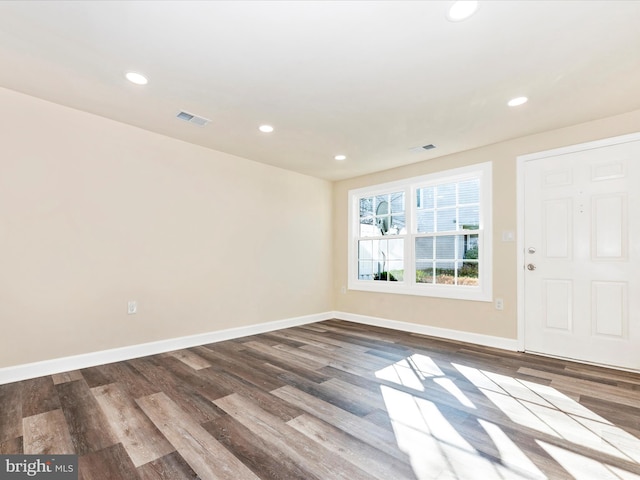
(132, 307)
(499, 304)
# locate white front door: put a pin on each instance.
(582, 253)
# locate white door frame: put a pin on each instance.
(521, 160)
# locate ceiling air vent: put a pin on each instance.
(191, 118)
(422, 148)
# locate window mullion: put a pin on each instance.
(409, 247)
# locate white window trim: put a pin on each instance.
(483, 292)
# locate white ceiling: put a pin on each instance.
(370, 79)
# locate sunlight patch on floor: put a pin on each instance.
(440, 439)
(450, 386)
(547, 410)
(434, 446)
(583, 467)
(510, 453)
(410, 371)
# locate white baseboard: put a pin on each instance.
(477, 338)
(65, 364)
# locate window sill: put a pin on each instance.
(437, 291)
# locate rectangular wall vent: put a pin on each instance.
(191, 118)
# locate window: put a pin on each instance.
(427, 235)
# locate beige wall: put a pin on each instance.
(476, 317)
(94, 213)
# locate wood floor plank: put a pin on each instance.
(349, 423)
(376, 463)
(140, 438)
(326, 393)
(110, 463)
(47, 433)
(585, 387)
(320, 337)
(204, 454)
(11, 413)
(38, 396)
(282, 355)
(184, 394)
(289, 441)
(264, 400)
(191, 359)
(64, 377)
(339, 388)
(126, 375)
(96, 377)
(11, 447)
(169, 467)
(305, 341)
(195, 380)
(255, 452)
(267, 361)
(88, 426)
(249, 369)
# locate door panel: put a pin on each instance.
(582, 255)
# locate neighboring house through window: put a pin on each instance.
(428, 235)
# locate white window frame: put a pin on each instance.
(482, 292)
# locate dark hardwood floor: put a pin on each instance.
(332, 400)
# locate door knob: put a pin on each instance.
(531, 266)
(531, 250)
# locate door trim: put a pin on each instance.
(520, 246)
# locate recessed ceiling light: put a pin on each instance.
(514, 102)
(137, 78)
(265, 128)
(340, 157)
(461, 10)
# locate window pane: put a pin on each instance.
(385, 277)
(469, 191)
(446, 220)
(369, 230)
(469, 218)
(424, 248)
(365, 250)
(397, 202)
(397, 225)
(424, 272)
(380, 250)
(445, 273)
(425, 221)
(446, 195)
(366, 207)
(365, 270)
(468, 273)
(367, 220)
(396, 270)
(395, 249)
(424, 197)
(445, 247)
(469, 249)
